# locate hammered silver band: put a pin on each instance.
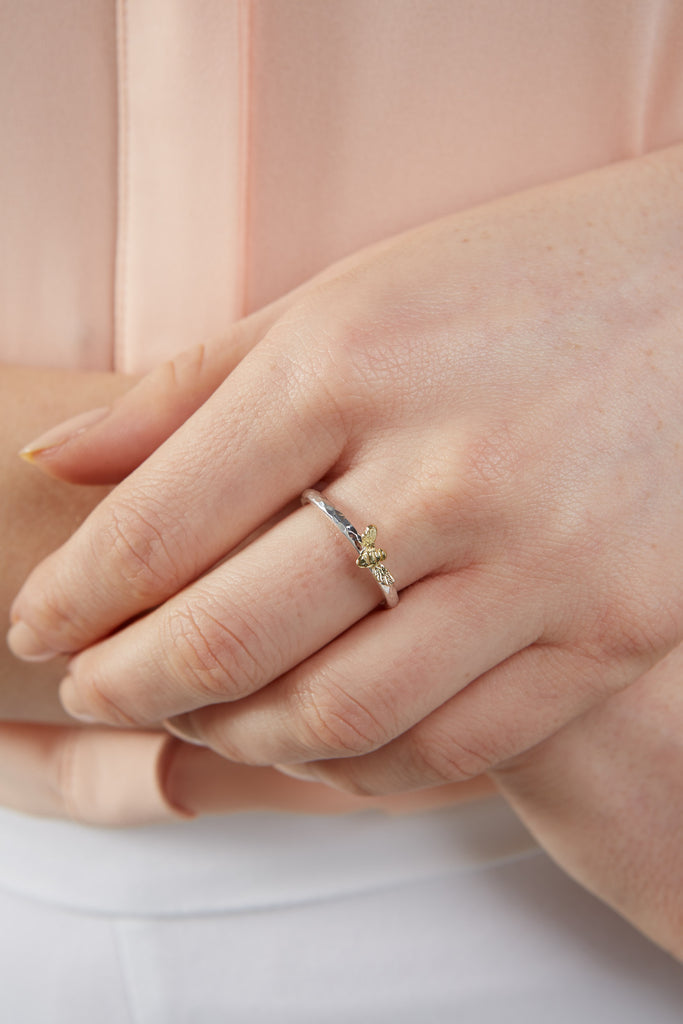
(363, 543)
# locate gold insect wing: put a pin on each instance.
(371, 557)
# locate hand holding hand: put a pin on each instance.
(500, 392)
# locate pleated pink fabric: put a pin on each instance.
(170, 165)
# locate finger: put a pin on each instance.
(105, 445)
(202, 782)
(508, 710)
(266, 434)
(379, 678)
(651, 710)
(258, 614)
(121, 779)
(93, 776)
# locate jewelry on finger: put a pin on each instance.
(369, 556)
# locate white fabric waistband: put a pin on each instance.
(248, 860)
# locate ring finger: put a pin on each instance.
(254, 617)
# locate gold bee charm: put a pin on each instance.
(372, 557)
(369, 556)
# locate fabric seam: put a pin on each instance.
(223, 909)
(654, 50)
(245, 34)
(122, 192)
(117, 926)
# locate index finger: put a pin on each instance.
(249, 450)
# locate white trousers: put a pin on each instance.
(497, 939)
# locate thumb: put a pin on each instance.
(102, 446)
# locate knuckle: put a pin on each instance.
(462, 487)
(219, 661)
(336, 724)
(434, 485)
(361, 349)
(138, 539)
(631, 628)
(492, 461)
(315, 390)
(440, 758)
(57, 618)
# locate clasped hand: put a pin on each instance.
(500, 392)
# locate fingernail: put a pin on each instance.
(302, 772)
(72, 701)
(117, 778)
(183, 727)
(25, 644)
(64, 432)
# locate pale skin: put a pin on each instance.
(512, 375)
(37, 513)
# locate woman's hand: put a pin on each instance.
(603, 796)
(50, 766)
(500, 392)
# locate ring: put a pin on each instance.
(369, 556)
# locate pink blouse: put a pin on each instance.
(170, 165)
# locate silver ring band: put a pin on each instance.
(369, 556)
